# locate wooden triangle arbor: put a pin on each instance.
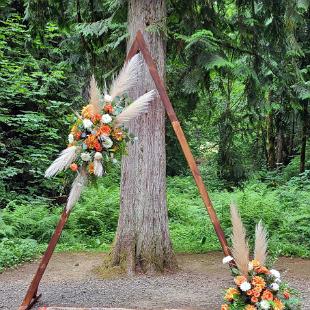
(139, 45)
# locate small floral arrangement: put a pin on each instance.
(257, 287)
(99, 133)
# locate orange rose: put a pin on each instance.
(286, 295)
(95, 118)
(250, 307)
(267, 295)
(262, 269)
(78, 135)
(254, 299)
(250, 292)
(225, 307)
(258, 281)
(108, 108)
(74, 167)
(230, 294)
(239, 280)
(91, 168)
(278, 305)
(104, 130)
(257, 289)
(97, 146)
(256, 294)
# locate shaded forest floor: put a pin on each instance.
(71, 280)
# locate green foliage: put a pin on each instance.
(93, 222)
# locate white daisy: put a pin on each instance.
(264, 304)
(275, 273)
(274, 286)
(107, 142)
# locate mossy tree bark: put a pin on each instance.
(142, 242)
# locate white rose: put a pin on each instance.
(98, 156)
(87, 123)
(70, 138)
(245, 286)
(274, 286)
(85, 156)
(227, 259)
(107, 142)
(106, 119)
(264, 304)
(107, 98)
(277, 280)
(275, 273)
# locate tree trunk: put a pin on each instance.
(304, 132)
(142, 241)
(271, 142)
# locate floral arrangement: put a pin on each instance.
(99, 133)
(257, 287)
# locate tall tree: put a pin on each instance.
(142, 239)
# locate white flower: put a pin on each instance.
(107, 98)
(250, 266)
(70, 138)
(114, 161)
(275, 273)
(245, 286)
(227, 259)
(107, 142)
(274, 286)
(277, 280)
(87, 123)
(264, 304)
(98, 156)
(106, 119)
(85, 156)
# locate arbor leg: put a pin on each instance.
(31, 295)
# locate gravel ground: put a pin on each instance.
(70, 280)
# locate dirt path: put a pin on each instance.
(71, 281)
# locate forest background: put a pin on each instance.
(238, 77)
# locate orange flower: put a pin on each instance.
(108, 108)
(278, 305)
(267, 295)
(225, 307)
(258, 281)
(90, 141)
(256, 294)
(255, 263)
(97, 146)
(78, 135)
(74, 167)
(91, 168)
(95, 118)
(230, 294)
(250, 307)
(117, 134)
(87, 111)
(258, 289)
(104, 130)
(262, 269)
(250, 292)
(286, 295)
(240, 279)
(254, 299)
(74, 129)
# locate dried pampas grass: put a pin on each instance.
(77, 187)
(261, 243)
(138, 107)
(98, 168)
(240, 248)
(127, 77)
(64, 160)
(94, 96)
